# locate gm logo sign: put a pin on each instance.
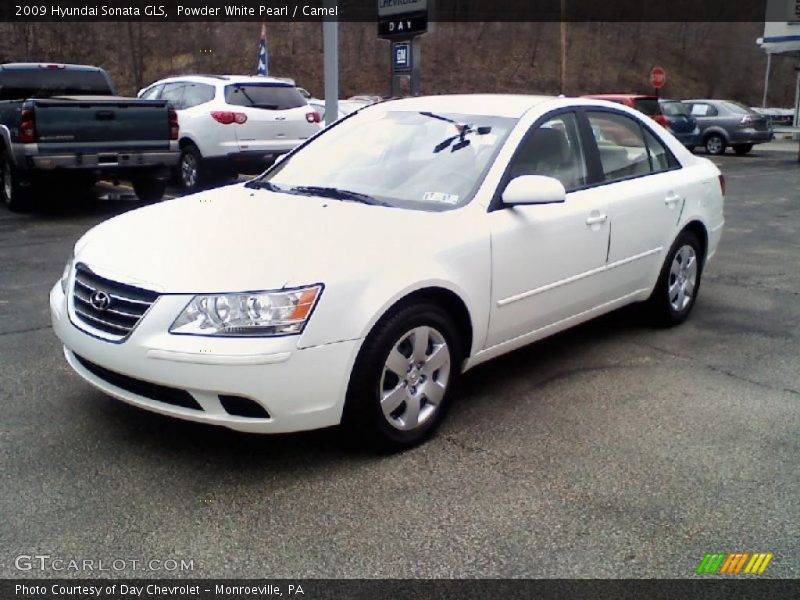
(733, 563)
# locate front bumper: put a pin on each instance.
(300, 389)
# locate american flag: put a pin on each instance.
(263, 57)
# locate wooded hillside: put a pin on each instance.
(701, 59)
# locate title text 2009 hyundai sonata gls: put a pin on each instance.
(357, 278)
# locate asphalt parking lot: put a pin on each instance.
(612, 450)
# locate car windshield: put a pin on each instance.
(675, 109)
(417, 160)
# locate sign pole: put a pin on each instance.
(330, 48)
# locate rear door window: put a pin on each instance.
(270, 96)
(173, 93)
(196, 94)
(152, 93)
(703, 110)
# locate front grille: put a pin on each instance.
(117, 308)
(153, 391)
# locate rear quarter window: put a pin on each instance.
(268, 96)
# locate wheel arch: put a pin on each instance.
(718, 130)
(451, 302)
(698, 228)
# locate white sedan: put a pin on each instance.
(361, 275)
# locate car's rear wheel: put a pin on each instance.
(679, 281)
(190, 169)
(149, 190)
(400, 386)
(716, 144)
(742, 149)
(16, 192)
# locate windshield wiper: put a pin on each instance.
(335, 194)
(262, 184)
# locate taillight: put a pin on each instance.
(722, 183)
(661, 120)
(174, 128)
(228, 118)
(313, 117)
(27, 126)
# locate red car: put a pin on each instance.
(644, 104)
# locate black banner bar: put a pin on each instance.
(366, 10)
(318, 589)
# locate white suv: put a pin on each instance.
(231, 124)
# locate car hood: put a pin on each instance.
(241, 239)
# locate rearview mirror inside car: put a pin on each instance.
(534, 189)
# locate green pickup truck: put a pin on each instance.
(64, 125)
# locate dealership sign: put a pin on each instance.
(402, 18)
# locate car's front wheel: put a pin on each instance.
(679, 281)
(400, 386)
(716, 144)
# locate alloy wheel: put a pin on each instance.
(682, 278)
(415, 377)
(189, 170)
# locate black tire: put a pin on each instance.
(149, 190)
(660, 304)
(716, 144)
(16, 192)
(191, 162)
(363, 418)
(742, 149)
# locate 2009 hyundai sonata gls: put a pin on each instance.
(357, 278)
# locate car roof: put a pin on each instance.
(621, 96)
(32, 65)
(225, 79)
(501, 105)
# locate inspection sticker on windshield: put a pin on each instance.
(441, 197)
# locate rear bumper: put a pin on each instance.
(691, 138)
(249, 160)
(751, 136)
(104, 161)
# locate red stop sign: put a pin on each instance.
(658, 78)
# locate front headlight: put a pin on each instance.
(66, 273)
(248, 314)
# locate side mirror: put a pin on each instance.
(534, 189)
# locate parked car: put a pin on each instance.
(726, 123)
(680, 122)
(357, 278)
(366, 99)
(778, 117)
(346, 107)
(232, 124)
(647, 105)
(64, 124)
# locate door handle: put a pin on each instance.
(672, 199)
(596, 219)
